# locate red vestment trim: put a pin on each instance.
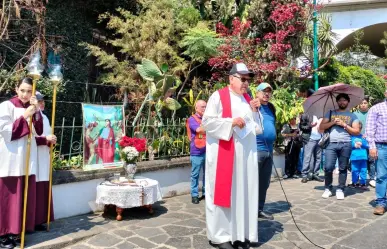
(225, 165)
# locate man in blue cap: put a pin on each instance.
(265, 143)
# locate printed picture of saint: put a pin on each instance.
(106, 143)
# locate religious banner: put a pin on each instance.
(103, 128)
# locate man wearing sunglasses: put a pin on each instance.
(231, 122)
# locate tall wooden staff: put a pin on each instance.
(56, 77)
(34, 71)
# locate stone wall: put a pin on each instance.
(74, 191)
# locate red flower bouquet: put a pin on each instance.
(131, 147)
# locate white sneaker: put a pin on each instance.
(285, 176)
(372, 183)
(327, 193)
(340, 194)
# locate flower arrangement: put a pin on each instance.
(131, 147)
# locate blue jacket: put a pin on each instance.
(359, 153)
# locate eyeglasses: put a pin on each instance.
(244, 80)
(267, 92)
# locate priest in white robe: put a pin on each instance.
(231, 122)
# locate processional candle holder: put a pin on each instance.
(35, 69)
(56, 77)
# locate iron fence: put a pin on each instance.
(164, 140)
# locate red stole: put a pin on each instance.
(225, 165)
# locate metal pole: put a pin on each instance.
(51, 155)
(315, 46)
(27, 169)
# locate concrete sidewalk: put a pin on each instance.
(177, 223)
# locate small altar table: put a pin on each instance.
(143, 193)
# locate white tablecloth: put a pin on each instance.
(129, 196)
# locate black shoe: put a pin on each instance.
(195, 200)
(304, 180)
(5, 242)
(252, 244)
(239, 244)
(351, 185)
(15, 239)
(203, 197)
(226, 245)
(265, 216)
(40, 228)
(317, 178)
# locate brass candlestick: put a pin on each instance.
(34, 71)
(56, 77)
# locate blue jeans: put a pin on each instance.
(359, 169)
(342, 152)
(197, 163)
(381, 175)
(301, 159)
(265, 166)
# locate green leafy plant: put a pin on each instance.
(171, 144)
(161, 86)
(372, 84)
(326, 39)
(335, 72)
(383, 41)
(288, 105)
(360, 55)
(191, 100)
(59, 163)
(200, 43)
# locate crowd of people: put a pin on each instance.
(347, 150)
(237, 135)
(232, 141)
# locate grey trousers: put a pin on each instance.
(312, 158)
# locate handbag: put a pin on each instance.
(324, 140)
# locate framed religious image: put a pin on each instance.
(103, 127)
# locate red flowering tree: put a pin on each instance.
(268, 42)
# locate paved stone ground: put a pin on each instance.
(176, 223)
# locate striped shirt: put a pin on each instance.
(376, 129)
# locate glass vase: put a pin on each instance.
(130, 169)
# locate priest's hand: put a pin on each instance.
(29, 111)
(238, 122)
(255, 104)
(51, 139)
